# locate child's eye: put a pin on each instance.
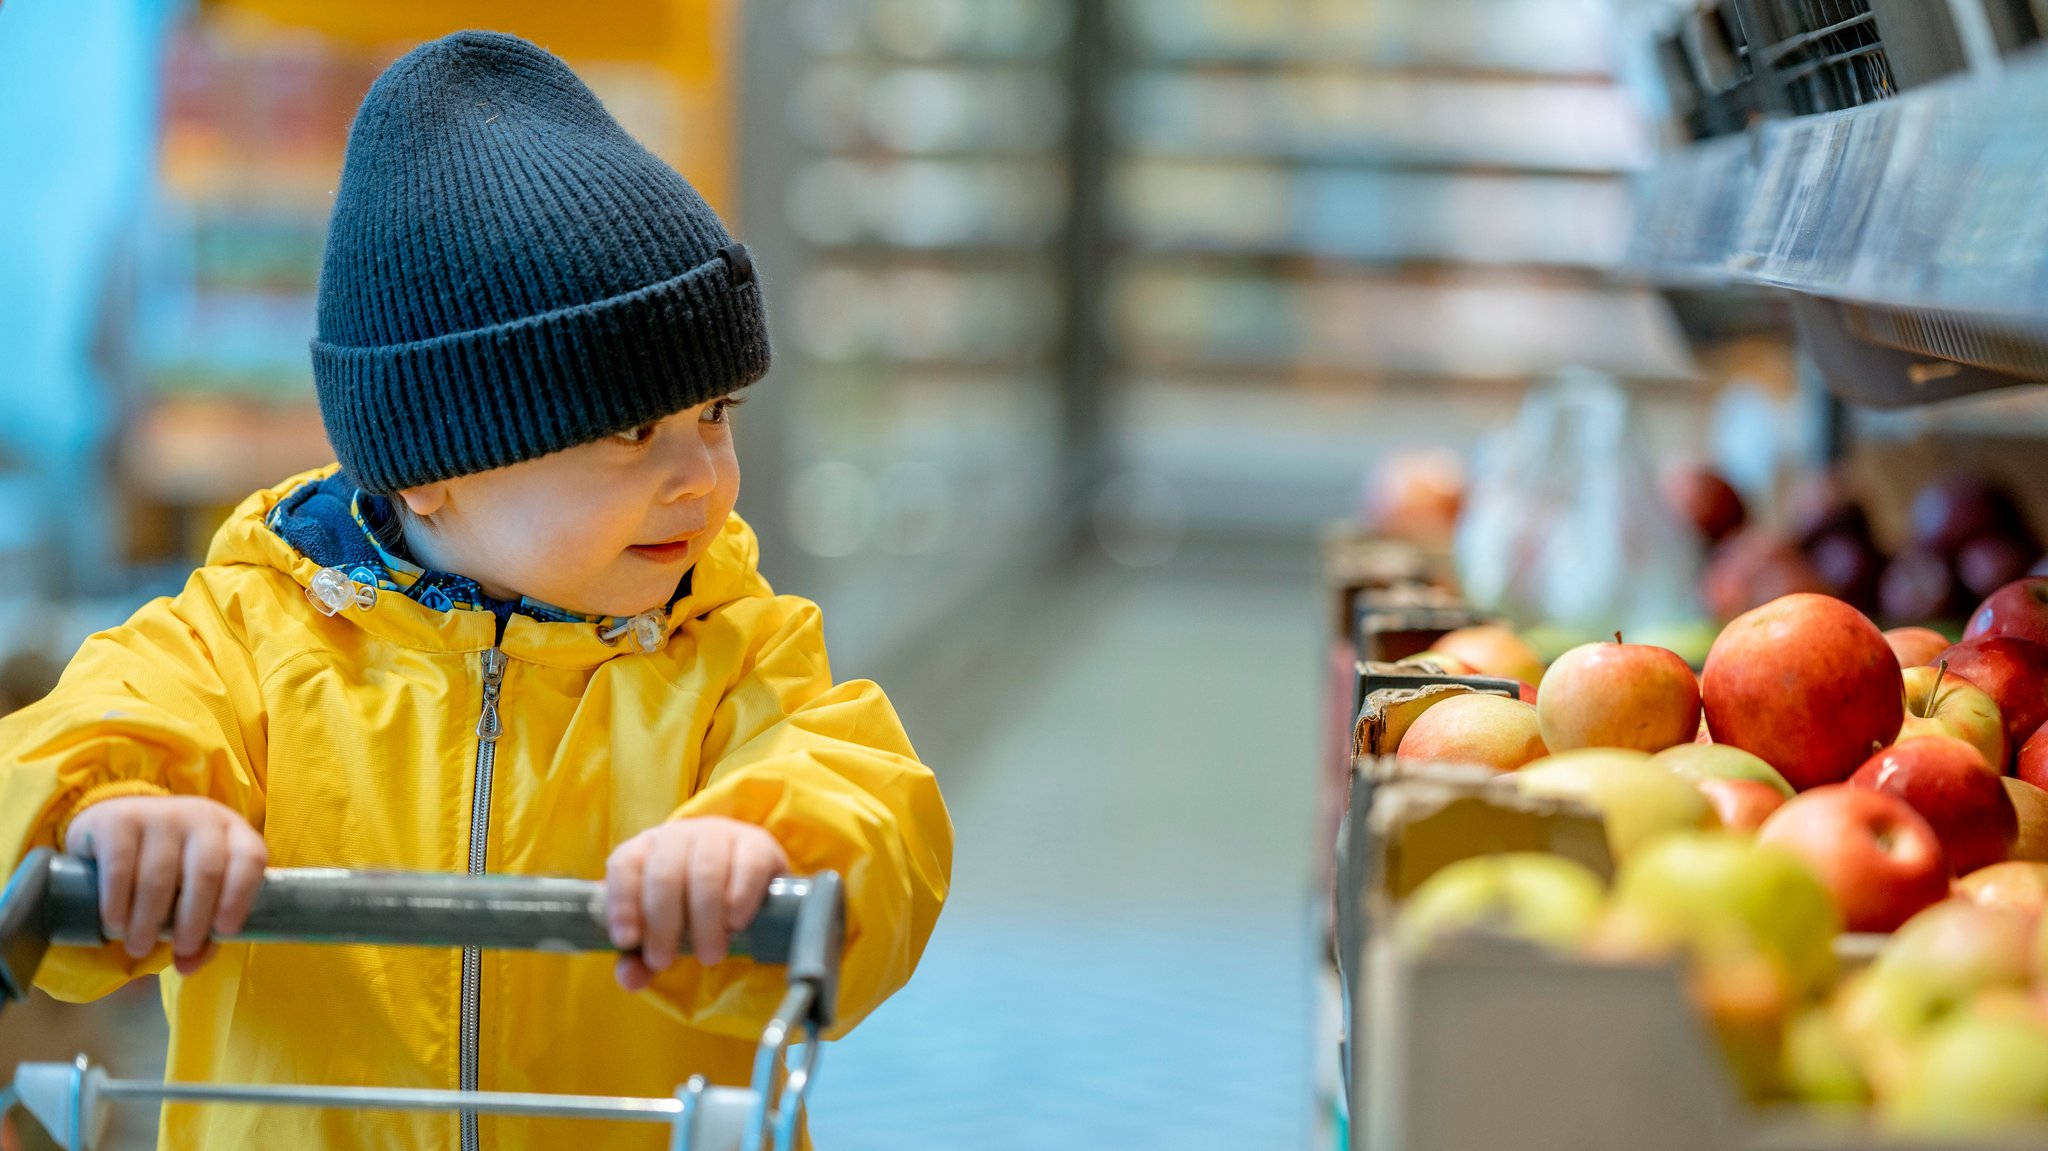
(636, 436)
(720, 411)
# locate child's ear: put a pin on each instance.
(425, 500)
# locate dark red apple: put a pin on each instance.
(1988, 563)
(1808, 685)
(1952, 787)
(1951, 513)
(1874, 853)
(2013, 672)
(1917, 586)
(1849, 566)
(1821, 503)
(2019, 609)
(1703, 499)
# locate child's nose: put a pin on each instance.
(692, 469)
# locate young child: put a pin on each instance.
(517, 630)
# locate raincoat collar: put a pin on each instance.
(313, 522)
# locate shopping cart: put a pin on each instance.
(54, 899)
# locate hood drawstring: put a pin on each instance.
(649, 630)
(331, 590)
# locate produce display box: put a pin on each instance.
(1485, 1044)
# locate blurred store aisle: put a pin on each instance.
(1125, 961)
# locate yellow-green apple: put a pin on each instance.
(1807, 684)
(1618, 695)
(1916, 646)
(1490, 730)
(1969, 946)
(2031, 804)
(1940, 704)
(1881, 1016)
(1881, 861)
(1742, 804)
(1974, 1073)
(1638, 801)
(1717, 890)
(1528, 895)
(2032, 762)
(1954, 790)
(1819, 1067)
(1698, 761)
(2019, 609)
(2014, 673)
(1492, 649)
(2016, 884)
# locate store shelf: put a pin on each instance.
(1927, 202)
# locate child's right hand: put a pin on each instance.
(163, 854)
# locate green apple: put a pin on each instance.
(1529, 895)
(1819, 1068)
(1639, 801)
(1697, 761)
(1884, 1014)
(1718, 890)
(1973, 1073)
(1967, 946)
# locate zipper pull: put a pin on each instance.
(488, 728)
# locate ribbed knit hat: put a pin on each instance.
(509, 274)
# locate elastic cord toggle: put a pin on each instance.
(331, 591)
(648, 631)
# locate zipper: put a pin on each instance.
(488, 729)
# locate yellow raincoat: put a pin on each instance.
(351, 741)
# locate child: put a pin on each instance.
(530, 333)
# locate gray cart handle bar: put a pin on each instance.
(54, 900)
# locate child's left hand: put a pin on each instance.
(707, 877)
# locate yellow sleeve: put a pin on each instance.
(830, 773)
(167, 703)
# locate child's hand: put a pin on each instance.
(160, 854)
(706, 876)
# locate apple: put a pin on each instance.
(1974, 1073)
(1489, 730)
(1524, 692)
(1637, 800)
(1537, 896)
(2031, 803)
(1949, 514)
(2032, 762)
(1819, 1068)
(1750, 568)
(2014, 673)
(1716, 889)
(1881, 1015)
(1917, 585)
(1493, 650)
(1876, 855)
(1438, 662)
(1849, 566)
(1807, 684)
(2017, 884)
(1702, 761)
(1705, 500)
(1823, 502)
(1940, 704)
(1968, 946)
(1618, 695)
(1742, 804)
(1959, 795)
(2019, 609)
(1706, 734)
(1988, 563)
(1917, 646)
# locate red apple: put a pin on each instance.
(1954, 790)
(2021, 885)
(1706, 501)
(1524, 692)
(1742, 804)
(1988, 563)
(1917, 585)
(2014, 673)
(1849, 565)
(1490, 730)
(1951, 513)
(2019, 610)
(1916, 646)
(1876, 855)
(1938, 703)
(1494, 650)
(2032, 765)
(1807, 684)
(1618, 695)
(1820, 503)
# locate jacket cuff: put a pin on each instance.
(118, 789)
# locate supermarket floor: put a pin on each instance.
(1125, 961)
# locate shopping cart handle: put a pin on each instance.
(54, 899)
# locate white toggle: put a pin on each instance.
(331, 591)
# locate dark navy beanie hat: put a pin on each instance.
(509, 274)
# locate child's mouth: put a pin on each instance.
(667, 553)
